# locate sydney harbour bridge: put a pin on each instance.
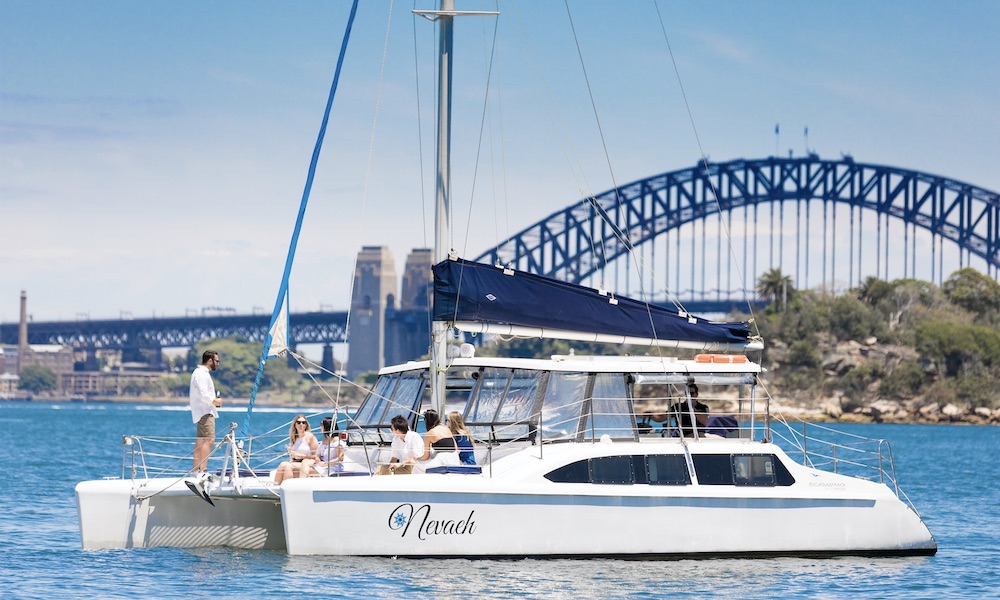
(705, 233)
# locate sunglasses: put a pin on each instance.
(301, 422)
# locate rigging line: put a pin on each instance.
(704, 160)
(503, 164)
(420, 138)
(482, 124)
(420, 156)
(569, 153)
(282, 297)
(597, 118)
(479, 147)
(611, 171)
(368, 167)
(624, 234)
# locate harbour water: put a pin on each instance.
(949, 472)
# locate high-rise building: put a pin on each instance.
(374, 291)
(416, 291)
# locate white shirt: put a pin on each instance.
(327, 452)
(202, 394)
(408, 447)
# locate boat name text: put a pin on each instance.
(406, 514)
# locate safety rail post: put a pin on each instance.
(833, 450)
(489, 450)
(230, 440)
(805, 440)
(130, 449)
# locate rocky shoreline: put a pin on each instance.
(888, 411)
(838, 360)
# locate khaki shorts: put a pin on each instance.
(398, 469)
(206, 427)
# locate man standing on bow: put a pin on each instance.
(203, 407)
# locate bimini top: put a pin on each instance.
(468, 293)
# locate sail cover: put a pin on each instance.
(469, 291)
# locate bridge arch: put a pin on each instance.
(929, 214)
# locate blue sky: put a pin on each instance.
(152, 155)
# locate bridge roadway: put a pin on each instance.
(176, 332)
(132, 335)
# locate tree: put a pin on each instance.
(38, 378)
(775, 286)
(872, 290)
(973, 291)
(852, 319)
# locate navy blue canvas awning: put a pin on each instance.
(468, 291)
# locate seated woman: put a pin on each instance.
(439, 444)
(463, 439)
(330, 454)
(302, 449)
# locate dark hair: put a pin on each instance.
(208, 355)
(399, 424)
(431, 418)
(327, 425)
(693, 390)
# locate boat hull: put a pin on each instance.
(146, 513)
(473, 516)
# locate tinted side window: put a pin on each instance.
(757, 469)
(612, 469)
(577, 472)
(667, 470)
(713, 469)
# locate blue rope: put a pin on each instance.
(283, 289)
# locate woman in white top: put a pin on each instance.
(302, 449)
(330, 455)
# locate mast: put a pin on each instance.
(445, 16)
(442, 204)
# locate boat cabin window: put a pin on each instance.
(610, 409)
(504, 404)
(625, 470)
(667, 469)
(394, 394)
(760, 469)
(714, 469)
(741, 469)
(563, 405)
(612, 469)
(459, 386)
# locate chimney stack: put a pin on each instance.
(22, 333)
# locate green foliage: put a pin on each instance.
(852, 319)
(775, 287)
(855, 383)
(903, 382)
(954, 328)
(806, 317)
(238, 367)
(873, 290)
(177, 385)
(958, 347)
(804, 353)
(366, 379)
(973, 291)
(38, 378)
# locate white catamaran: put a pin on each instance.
(575, 456)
